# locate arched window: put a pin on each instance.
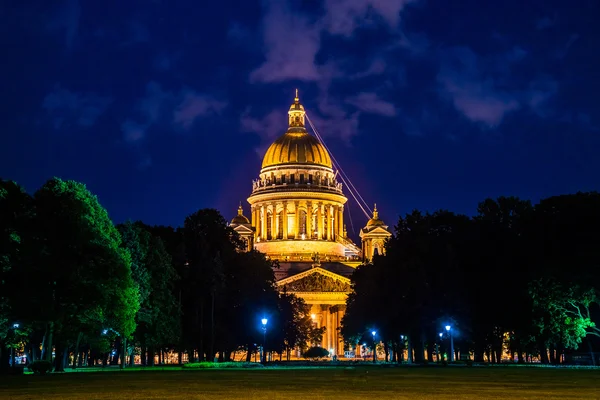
(302, 227)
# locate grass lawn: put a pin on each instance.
(321, 383)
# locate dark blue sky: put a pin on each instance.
(165, 107)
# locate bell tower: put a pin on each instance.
(373, 237)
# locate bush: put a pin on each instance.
(223, 365)
(315, 353)
(40, 367)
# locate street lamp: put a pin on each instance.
(437, 348)
(264, 327)
(449, 330)
(374, 347)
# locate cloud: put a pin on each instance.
(67, 107)
(137, 33)
(373, 104)
(194, 105)
(291, 45)
(344, 17)
(292, 40)
(481, 88)
(267, 127)
(544, 23)
(183, 107)
(133, 132)
(377, 67)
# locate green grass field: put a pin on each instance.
(318, 383)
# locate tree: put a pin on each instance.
(16, 211)
(83, 280)
(297, 323)
(208, 246)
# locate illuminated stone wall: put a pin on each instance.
(300, 248)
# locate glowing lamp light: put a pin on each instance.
(402, 337)
(313, 316)
(303, 236)
(104, 332)
(448, 327)
(374, 333)
(16, 326)
(441, 334)
(264, 321)
(364, 344)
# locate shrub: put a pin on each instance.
(40, 367)
(223, 365)
(315, 353)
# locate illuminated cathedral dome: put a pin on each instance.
(296, 146)
(375, 221)
(240, 218)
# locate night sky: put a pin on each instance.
(166, 107)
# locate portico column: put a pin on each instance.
(341, 221)
(297, 227)
(309, 219)
(320, 220)
(285, 220)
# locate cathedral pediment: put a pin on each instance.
(377, 231)
(315, 280)
(243, 229)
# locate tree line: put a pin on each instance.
(518, 276)
(75, 288)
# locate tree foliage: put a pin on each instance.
(514, 276)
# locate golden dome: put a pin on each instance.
(240, 218)
(375, 221)
(296, 146)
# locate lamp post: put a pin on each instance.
(449, 330)
(437, 348)
(264, 328)
(374, 347)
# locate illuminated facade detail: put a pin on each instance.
(297, 218)
(374, 236)
(241, 224)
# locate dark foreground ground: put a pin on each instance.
(322, 383)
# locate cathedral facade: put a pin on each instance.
(297, 218)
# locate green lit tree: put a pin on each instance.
(83, 279)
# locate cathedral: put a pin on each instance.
(297, 218)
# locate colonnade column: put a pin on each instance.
(275, 234)
(341, 221)
(330, 223)
(309, 228)
(297, 217)
(320, 221)
(273, 217)
(263, 223)
(336, 221)
(254, 221)
(285, 220)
